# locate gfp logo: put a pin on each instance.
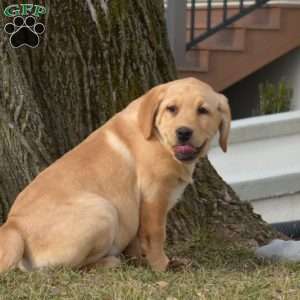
(24, 30)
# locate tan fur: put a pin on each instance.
(114, 190)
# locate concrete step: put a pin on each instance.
(279, 209)
(263, 162)
(264, 127)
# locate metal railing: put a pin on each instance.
(226, 21)
(176, 21)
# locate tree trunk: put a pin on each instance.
(93, 59)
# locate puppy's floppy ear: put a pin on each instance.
(148, 109)
(224, 128)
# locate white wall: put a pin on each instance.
(244, 94)
(287, 67)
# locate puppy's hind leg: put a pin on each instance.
(11, 247)
(107, 262)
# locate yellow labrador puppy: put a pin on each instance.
(114, 190)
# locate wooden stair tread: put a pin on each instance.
(266, 18)
(196, 62)
(226, 39)
(224, 68)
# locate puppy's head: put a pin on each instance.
(185, 114)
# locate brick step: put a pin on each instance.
(266, 18)
(231, 39)
(262, 47)
(196, 61)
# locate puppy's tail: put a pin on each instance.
(11, 247)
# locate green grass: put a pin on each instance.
(219, 271)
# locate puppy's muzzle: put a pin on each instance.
(183, 134)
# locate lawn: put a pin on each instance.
(219, 271)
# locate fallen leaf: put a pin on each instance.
(162, 284)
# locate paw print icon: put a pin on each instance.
(24, 32)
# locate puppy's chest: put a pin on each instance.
(176, 194)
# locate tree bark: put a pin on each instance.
(94, 58)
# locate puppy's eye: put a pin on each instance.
(202, 111)
(172, 108)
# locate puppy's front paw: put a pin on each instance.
(159, 264)
(134, 249)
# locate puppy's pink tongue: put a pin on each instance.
(184, 149)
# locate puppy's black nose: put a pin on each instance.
(183, 134)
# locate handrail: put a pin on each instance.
(226, 21)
